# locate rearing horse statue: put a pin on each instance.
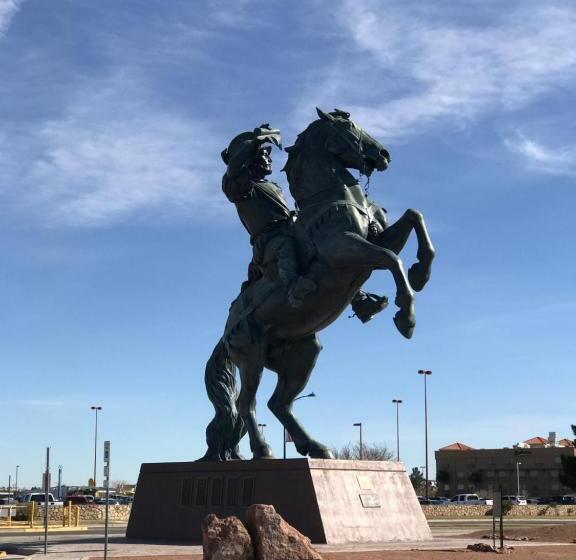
(344, 237)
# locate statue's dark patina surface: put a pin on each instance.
(306, 269)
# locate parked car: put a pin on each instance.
(79, 499)
(533, 501)
(40, 497)
(424, 501)
(469, 500)
(563, 500)
(514, 500)
(440, 501)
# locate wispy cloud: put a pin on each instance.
(112, 154)
(8, 9)
(428, 66)
(544, 159)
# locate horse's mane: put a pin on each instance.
(294, 161)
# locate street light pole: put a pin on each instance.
(359, 425)
(518, 476)
(262, 426)
(95, 409)
(59, 482)
(296, 399)
(425, 373)
(16, 481)
(397, 402)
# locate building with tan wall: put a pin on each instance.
(462, 469)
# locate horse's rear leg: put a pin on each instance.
(251, 367)
(294, 363)
(395, 236)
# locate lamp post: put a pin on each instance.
(95, 409)
(425, 373)
(59, 482)
(397, 402)
(262, 426)
(518, 476)
(16, 481)
(296, 399)
(359, 425)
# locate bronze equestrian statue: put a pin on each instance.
(306, 269)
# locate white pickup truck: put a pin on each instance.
(469, 500)
(39, 498)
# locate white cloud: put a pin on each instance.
(114, 154)
(537, 157)
(419, 67)
(8, 9)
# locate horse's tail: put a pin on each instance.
(226, 428)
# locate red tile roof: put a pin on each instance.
(566, 443)
(536, 441)
(457, 447)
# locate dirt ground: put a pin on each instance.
(552, 533)
(523, 553)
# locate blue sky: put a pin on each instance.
(120, 255)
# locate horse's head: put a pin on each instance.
(354, 147)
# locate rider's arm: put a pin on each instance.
(237, 188)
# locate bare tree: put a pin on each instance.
(119, 485)
(370, 452)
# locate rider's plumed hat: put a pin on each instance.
(252, 141)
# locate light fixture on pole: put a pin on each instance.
(518, 476)
(359, 425)
(284, 431)
(425, 373)
(262, 426)
(95, 409)
(397, 402)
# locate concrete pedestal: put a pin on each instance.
(330, 501)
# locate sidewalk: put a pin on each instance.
(85, 547)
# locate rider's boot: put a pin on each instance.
(366, 305)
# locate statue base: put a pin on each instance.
(329, 501)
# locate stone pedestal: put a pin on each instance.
(330, 501)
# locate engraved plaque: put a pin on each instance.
(365, 482)
(370, 500)
(248, 492)
(217, 494)
(232, 491)
(187, 486)
(202, 492)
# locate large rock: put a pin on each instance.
(274, 539)
(225, 539)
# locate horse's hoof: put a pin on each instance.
(418, 276)
(319, 451)
(263, 452)
(405, 324)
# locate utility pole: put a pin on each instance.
(359, 425)
(397, 402)
(95, 409)
(425, 373)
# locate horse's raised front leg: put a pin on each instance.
(250, 375)
(395, 236)
(294, 363)
(351, 250)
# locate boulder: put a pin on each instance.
(274, 539)
(225, 539)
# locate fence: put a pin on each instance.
(31, 516)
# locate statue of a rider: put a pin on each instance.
(263, 211)
(265, 214)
